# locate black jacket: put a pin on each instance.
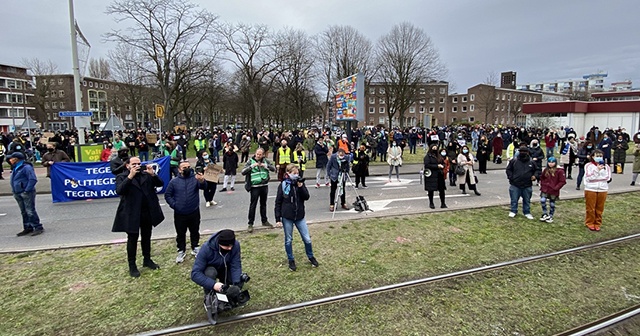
(519, 172)
(182, 194)
(228, 266)
(432, 182)
(290, 204)
(133, 193)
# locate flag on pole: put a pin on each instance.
(79, 34)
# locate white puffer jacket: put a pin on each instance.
(596, 180)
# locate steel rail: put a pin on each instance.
(366, 292)
(602, 323)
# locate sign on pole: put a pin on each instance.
(159, 111)
(349, 103)
(66, 114)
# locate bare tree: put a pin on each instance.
(99, 68)
(170, 36)
(37, 69)
(252, 49)
(342, 51)
(486, 96)
(405, 58)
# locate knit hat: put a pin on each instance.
(226, 238)
(552, 159)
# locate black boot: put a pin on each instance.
(431, 205)
(464, 189)
(443, 206)
(150, 264)
(475, 191)
(133, 270)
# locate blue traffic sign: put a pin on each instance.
(75, 114)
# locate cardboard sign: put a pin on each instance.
(212, 173)
(152, 138)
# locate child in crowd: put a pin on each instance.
(552, 180)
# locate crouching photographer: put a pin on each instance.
(218, 269)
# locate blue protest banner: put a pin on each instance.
(73, 181)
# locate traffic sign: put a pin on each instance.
(75, 114)
(159, 111)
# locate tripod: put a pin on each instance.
(343, 177)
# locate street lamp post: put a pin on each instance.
(13, 115)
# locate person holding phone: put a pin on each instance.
(596, 185)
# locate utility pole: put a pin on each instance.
(13, 114)
(78, 121)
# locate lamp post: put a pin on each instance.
(13, 115)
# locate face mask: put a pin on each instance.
(599, 159)
(50, 150)
(523, 157)
(294, 177)
(535, 145)
(465, 151)
(589, 147)
(224, 252)
(205, 157)
(187, 172)
(443, 153)
(340, 157)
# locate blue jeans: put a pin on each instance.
(515, 193)
(27, 203)
(304, 234)
(144, 156)
(550, 151)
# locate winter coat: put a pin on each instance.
(551, 184)
(142, 188)
(636, 160)
(335, 166)
(596, 180)
(290, 200)
(520, 172)
(605, 146)
(321, 151)
(383, 145)
(536, 153)
(620, 154)
(230, 162)
(55, 156)
(210, 255)
(361, 163)
(468, 169)
(436, 179)
(23, 178)
(497, 145)
(182, 194)
(394, 156)
(483, 152)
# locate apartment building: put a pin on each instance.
(428, 109)
(16, 98)
(590, 82)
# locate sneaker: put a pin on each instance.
(214, 203)
(233, 189)
(633, 183)
(250, 228)
(267, 224)
(180, 257)
(314, 262)
(327, 184)
(208, 204)
(578, 188)
(549, 219)
(150, 264)
(512, 214)
(364, 187)
(24, 232)
(317, 185)
(292, 265)
(356, 187)
(195, 251)
(529, 216)
(36, 232)
(223, 189)
(544, 217)
(332, 208)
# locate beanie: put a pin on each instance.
(226, 237)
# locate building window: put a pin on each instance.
(454, 109)
(52, 81)
(471, 108)
(60, 81)
(432, 109)
(84, 83)
(472, 119)
(61, 105)
(54, 105)
(497, 107)
(372, 110)
(441, 109)
(381, 100)
(117, 88)
(412, 109)
(90, 84)
(464, 109)
(46, 105)
(504, 96)
(432, 91)
(421, 109)
(441, 100)
(382, 110)
(432, 100)
(101, 86)
(372, 91)
(464, 99)
(442, 91)
(502, 107)
(454, 99)
(54, 94)
(381, 90)
(422, 91)
(382, 120)
(472, 97)
(61, 93)
(372, 100)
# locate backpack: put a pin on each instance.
(360, 204)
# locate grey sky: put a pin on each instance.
(540, 40)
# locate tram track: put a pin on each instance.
(408, 284)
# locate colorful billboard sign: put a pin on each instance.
(348, 107)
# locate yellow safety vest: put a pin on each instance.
(304, 159)
(284, 157)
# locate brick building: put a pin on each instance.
(100, 96)
(430, 105)
(16, 97)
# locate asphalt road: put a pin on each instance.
(89, 222)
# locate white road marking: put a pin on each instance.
(2, 214)
(393, 188)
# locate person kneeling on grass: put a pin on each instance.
(552, 180)
(289, 211)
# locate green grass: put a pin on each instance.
(88, 291)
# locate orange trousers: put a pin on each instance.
(595, 206)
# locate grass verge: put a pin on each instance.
(87, 291)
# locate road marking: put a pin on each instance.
(390, 188)
(2, 214)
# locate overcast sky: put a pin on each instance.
(541, 40)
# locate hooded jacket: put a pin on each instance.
(519, 172)
(290, 200)
(23, 178)
(182, 194)
(209, 255)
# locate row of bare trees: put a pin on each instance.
(199, 65)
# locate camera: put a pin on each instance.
(143, 168)
(244, 277)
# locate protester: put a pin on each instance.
(584, 156)
(497, 145)
(465, 160)
(552, 180)
(23, 185)
(182, 195)
(105, 155)
(245, 147)
(256, 172)
(568, 155)
(289, 212)
(138, 211)
(435, 170)
(337, 167)
(211, 173)
(482, 154)
(52, 156)
(636, 164)
(143, 148)
(596, 185)
(453, 148)
(360, 166)
(3, 151)
(620, 147)
(283, 158)
(230, 165)
(321, 150)
(218, 264)
(117, 161)
(394, 159)
(300, 158)
(521, 173)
